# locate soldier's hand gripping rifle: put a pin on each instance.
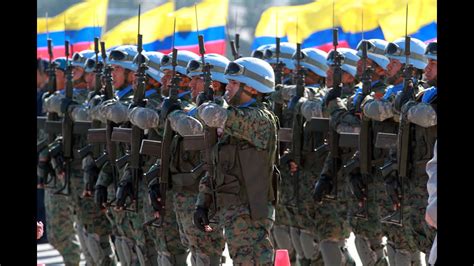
(360, 187)
(403, 142)
(137, 135)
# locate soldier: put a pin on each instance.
(367, 190)
(115, 110)
(41, 84)
(332, 226)
(286, 52)
(418, 114)
(400, 241)
(245, 163)
(59, 212)
(186, 167)
(302, 172)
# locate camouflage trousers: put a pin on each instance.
(368, 230)
(171, 250)
(248, 240)
(202, 245)
(59, 223)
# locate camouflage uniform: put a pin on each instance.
(250, 136)
(368, 231)
(331, 224)
(206, 248)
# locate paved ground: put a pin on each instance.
(49, 256)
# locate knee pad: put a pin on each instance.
(331, 252)
(295, 239)
(402, 257)
(309, 245)
(118, 248)
(282, 237)
(93, 245)
(140, 255)
(366, 254)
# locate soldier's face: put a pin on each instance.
(166, 81)
(431, 70)
(347, 78)
(216, 86)
(231, 89)
(60, 81)
(329, 74)
(118, 76)
(77, 73)
(360, 66)
(90, 80)
(393, 67)
(196, 85)
(41, 79)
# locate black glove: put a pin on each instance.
(169, 106)
(100, 195)
(153, 172)
(124, 190)
(200, 217)
(404, 96)
(43, 169)
(358, 187)
(91, 173)
(154, 194)
(321, 188)
(334, 93)
(65, 103)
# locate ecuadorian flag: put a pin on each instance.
(78, 24)
(157, 28)
(312, 24)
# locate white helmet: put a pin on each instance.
(260, 51)
(349, 61)
(218, 63)
(252, 71)
(89, 64)
(375, 51)
(314, 60)
(396, 50)
(431, 51)
(152, 60)
(79, 58)
(286, 53)
(182, 59)
(123, 56)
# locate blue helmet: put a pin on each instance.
(153, 61)
(396, 50)
(375, 51)
(314, 60)
(182, 59)
(89, 64)
(253, 72)
(218, 63)
(286, 54)
(79, 58)
(349, 61)
(60, 63)
(123, 56)
(259, 52)
(431, 51)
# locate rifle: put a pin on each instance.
(298, 121)
(210, 134)
(365, 137)
(67, 128)
(403, 137)
(42, 122)
(333, 135)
